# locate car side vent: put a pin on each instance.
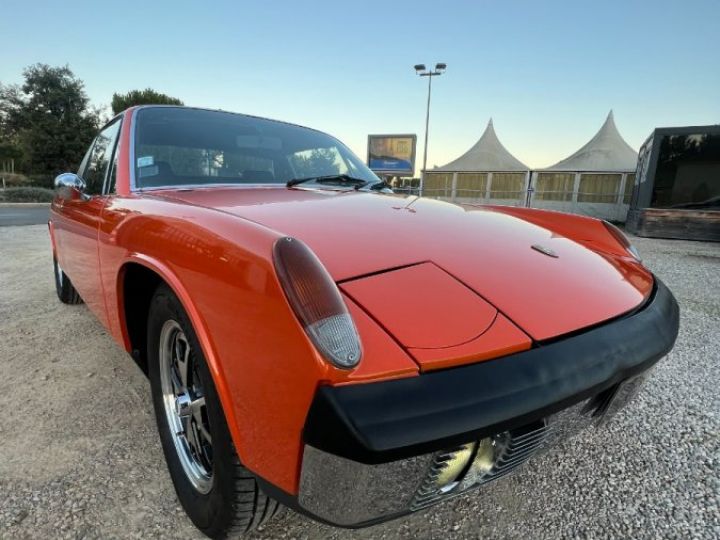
(522, 444)
(432, 487)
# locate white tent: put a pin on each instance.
(487, 154)
(596, 180)
(486, 172)
(607, 151)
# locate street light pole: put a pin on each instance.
(422, 72)
(427, 125)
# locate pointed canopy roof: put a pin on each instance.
(606, 151)
(488, 154)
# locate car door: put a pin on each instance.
(77, 220)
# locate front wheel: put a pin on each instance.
(220, 496)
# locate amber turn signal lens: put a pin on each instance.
(317, 302)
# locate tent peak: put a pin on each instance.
(606, 151)
(610, 123)
(489, 132)
(487, 154)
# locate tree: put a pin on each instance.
(317, 162)
(10, 154)
(120, 102)
(10, 151)
(47, 119)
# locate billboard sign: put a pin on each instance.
(392, 154)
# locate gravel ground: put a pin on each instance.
(80, 457)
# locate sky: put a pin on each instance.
(546, 72)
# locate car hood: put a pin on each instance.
(358, 235)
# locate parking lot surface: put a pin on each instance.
(80, 457)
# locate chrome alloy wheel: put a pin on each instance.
(184, 404)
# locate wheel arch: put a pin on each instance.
(51, 232)
(136, 284)
(138, 278)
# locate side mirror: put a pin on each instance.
(70, 186)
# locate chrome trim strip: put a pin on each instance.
(131, 152)
(347, 492)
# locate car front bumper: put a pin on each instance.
(380, 450)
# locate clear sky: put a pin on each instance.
(546, 72)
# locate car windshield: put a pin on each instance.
(177, 146)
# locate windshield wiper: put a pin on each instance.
(379, 186)
(339, 179)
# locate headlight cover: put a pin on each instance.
(317, 302)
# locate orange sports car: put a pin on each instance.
(316, 341)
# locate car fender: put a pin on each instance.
(265, 368)
(586, 230)
(201, 331)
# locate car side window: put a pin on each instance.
(110, 185)
(99, 159)
(84, 162)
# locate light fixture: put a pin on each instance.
(453, 468)
(485, 458)
(317, 302)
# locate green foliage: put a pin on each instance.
(317, 162)
(26, 194)
(47, 120)
(9, 150)
(42, 180)
(120, 102)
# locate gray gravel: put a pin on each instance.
(80, 458)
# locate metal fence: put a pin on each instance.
(602, 195)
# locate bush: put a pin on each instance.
(42, 180)
(21, 180)
(26, 194)
(14, 179)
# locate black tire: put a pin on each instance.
(63, 286)
(235, 504)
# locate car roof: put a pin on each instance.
(151, 106)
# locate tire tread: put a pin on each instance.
(249, 515)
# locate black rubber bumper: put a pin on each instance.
(381, 422)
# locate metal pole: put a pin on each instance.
(427, 125)
(427, 120)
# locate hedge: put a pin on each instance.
(26, 194)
